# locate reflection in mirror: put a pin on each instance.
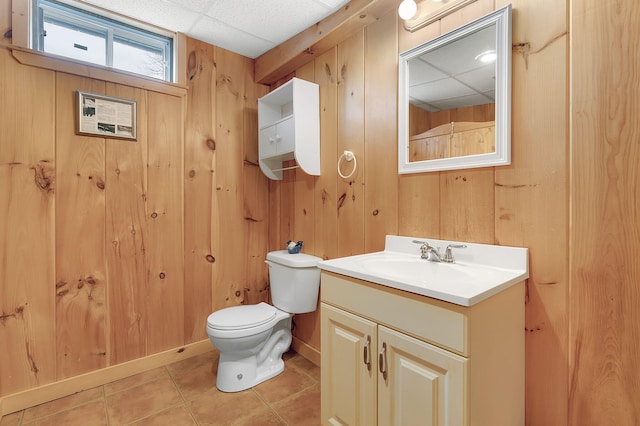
(455, 98)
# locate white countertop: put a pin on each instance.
(480, 270)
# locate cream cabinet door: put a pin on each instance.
(419, 384)
(348, 368)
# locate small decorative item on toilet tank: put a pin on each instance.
(293, 247)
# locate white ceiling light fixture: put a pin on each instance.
(407, 9)
(425, 12)
(487, 56)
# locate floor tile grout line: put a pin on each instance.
(144, 382)
(74, 407)
(304, 370)
(273, 410)
(184, 400)
(178, 404)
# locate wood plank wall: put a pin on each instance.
(582, 340)
(605, 214)
(334, 216)
(113, 250)
(524, 204)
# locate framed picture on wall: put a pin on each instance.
(105, 116)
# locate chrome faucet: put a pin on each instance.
(432, 254)
(428, 252)
(448, 255)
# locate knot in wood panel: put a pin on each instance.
(17, 312)
(43, 178)
(192, 65)
(98, 182)
(324, 195)
(341, 200)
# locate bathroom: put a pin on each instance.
(106, 260)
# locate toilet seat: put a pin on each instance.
(241, 317)
(237, 321)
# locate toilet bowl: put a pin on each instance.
(252, 338)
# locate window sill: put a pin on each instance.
(59, 63)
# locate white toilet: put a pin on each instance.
(252, 338)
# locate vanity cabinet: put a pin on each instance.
(289, 128)
(391, 357)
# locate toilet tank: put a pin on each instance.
(294, 280)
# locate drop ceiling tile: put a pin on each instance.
(159, 13)
(272, 21)
(259, 25)
(333, 4)
(200, 6)
(222, 35)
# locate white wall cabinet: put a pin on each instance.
(289, 122)
(390, 357)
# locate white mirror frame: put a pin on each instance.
(502, 154)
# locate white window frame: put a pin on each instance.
(113, 26)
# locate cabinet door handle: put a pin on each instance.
(366, 352)
(271, 139)
(382, 364)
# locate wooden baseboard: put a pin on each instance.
(309, 352)
(49, 392)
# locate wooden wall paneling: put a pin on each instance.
(467, 205)
(200, 197)
(256, 196)
(307, 326)
(418, 205)
(605, 214)
(5, 21)
(126, 229)
(351, 108)
(326, 223)
(466, 14)
(27, 225)
(256, 242)
(287, 206)
(466, 197)
(381, 154)
(231, 257)
(418, 193)
(274, 216)
(532, 196)
(165, 298)
(303, 190)
(319, 38)
(80, 285)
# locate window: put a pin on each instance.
(64, 30)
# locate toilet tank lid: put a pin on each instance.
(299, 260)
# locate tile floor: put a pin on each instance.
(184, 393)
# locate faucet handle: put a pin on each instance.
(424, 248)
(448, 255)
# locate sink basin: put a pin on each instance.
(415, 269)
(479, 272)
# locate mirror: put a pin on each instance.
(454, 110)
